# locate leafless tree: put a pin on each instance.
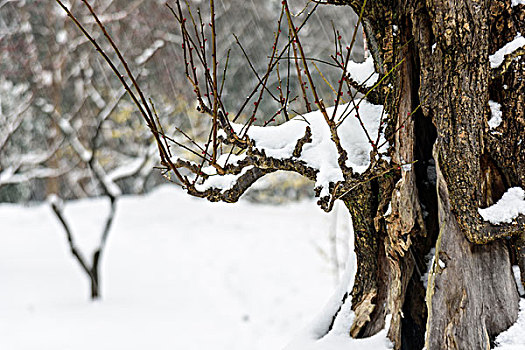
(89, 156)
(17, 164)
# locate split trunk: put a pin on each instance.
(439, 108)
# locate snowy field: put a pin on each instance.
(179, 273)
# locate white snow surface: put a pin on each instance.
(317, 336)
(495, 111)
(363, 72)
(517, 278)
(509, 207)
(512, 338)
(497, 58)
(280, 141)
(178, 273)
(441, 263)
(517, 2)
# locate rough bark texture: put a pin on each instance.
(367, 205)
(362, 207)
(443, 49)
(465, 311)
(472, 295)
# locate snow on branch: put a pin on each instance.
(129, 168)
(363, 73)
(339, 147)
(15, 103)
(24, 168)
(13, 122)
(149, 52)
(10, 177)
(320, 153)
(497, 58)
(115, 16)
(82, 152)
(86, 152)
(330, 145)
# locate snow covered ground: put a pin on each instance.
(179, 273)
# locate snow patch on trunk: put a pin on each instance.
(497, 58)
(517, 278)
(509, 207)
(495, 111)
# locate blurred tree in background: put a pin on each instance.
(56, 93)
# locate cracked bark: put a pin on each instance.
(474, 297)
(445, 47)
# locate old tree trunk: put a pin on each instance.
(439, 112)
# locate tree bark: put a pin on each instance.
(472, 295)
(438, 119)
(94, 275)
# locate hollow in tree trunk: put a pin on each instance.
(439, 111)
